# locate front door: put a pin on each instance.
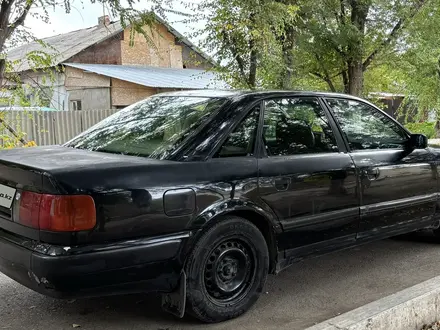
(306, 177)
(398, 187)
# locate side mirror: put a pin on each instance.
(418, 141)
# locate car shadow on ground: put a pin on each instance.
(423, 236)
(308, 292)
(147, 307)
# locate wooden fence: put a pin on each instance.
(51, 127)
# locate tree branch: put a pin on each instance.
(438, 68)
(339, 73)
(339, 51)
(41, 88)
(20, 20)
(326, 76)
(383, 44)
(253, 57)
(342, 12)
(345, 81)
(317, 74)
(326, 79)
(253, 65)
(393, 34)
(337, 16)
(5, 12)
(13, 131)
(235, 54)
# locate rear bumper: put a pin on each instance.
(126, 267)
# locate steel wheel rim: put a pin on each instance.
(229, 271)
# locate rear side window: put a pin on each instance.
(366, 127)
(295, 126)
(241, 142)
(155, 127)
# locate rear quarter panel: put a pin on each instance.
(131, 204)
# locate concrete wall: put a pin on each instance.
(91, 89)
(106, 52)
(159, 50)
(91, 98)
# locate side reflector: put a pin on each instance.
(57, 212)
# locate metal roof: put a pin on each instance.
(155, 76)
(64, 46)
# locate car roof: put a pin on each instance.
(263, 93)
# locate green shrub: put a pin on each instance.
(427, 129)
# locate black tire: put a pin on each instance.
(226, 270)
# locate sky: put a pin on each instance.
(86, 14)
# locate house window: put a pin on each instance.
(75, 105)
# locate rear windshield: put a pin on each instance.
(153, 128)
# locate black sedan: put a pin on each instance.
(200, 195)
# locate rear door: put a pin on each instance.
(398, 187)
(307, 177)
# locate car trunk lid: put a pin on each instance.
(52, 171)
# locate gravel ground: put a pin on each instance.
(307, 293)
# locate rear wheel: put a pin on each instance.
(226, 270)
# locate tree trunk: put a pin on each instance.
(253, 68)
(287, 48)
(359, 13)
(286, 82)
(252, 81)
(345, 82)
(355, 78)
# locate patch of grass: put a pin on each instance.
(427, 129)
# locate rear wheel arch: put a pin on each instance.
(261, 221)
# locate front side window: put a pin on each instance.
(295, 126)
(152, 128)
(365, 127)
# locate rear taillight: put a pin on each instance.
(55, 212)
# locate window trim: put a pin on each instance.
(342, 148)
(364, 102)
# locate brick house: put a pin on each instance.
(101, 68)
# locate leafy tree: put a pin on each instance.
(420, 65)
(13, 14)
(311, 44)
(245, 36)
(341, 40)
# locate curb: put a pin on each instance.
(408, 309)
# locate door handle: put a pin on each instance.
(372, 173)
(282, 184)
